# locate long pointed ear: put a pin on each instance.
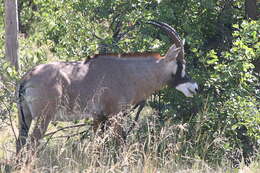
(172, 53)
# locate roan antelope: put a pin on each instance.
(97, 88)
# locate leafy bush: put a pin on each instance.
(229, 105)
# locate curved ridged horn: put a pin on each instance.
(171, 32)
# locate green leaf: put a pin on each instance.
(212, 61)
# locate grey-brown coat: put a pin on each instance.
(97, 88)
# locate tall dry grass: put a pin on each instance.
(150, 148)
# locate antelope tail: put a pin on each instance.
(22, 121)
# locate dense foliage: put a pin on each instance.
(220, 47)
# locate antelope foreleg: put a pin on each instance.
(140, 108)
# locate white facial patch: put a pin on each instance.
(171, 67)
(188, 88)
(183, 70)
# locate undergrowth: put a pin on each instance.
(152, 147)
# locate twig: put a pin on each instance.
(113, 20)
(67, 127)
(69, 136)
(63, 128)
(131, 28)
(11, 121)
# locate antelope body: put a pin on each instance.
(98, 88)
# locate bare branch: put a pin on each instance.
(72, 135)
(10, 119)
(131, 28)
(63, 128)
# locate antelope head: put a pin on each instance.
(176, 63)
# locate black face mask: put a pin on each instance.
(177, 78)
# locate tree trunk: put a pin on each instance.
(251, 9)
(11, 32)
(251, 13)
